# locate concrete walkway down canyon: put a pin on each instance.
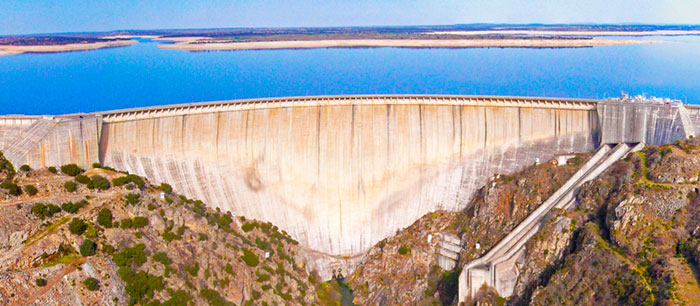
(340, 173)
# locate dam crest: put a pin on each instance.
(338, 173)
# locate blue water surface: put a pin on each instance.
(143, 75)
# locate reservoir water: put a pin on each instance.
(143, 75)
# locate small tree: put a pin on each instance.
(250, 258)
(41, 282)
(71, 169)
(70, 186)
(166, 188)
(31, 190)
(403, 250)
(126, 223)
(104, 217)
(82, 179)
(140, 222)
(91, 284)
(53, 170)
(25, 168)
(98, 182)
(77, 226)
(88, 248)
(96, 165)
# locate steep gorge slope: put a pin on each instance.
(105, 238)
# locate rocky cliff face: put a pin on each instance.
(632, 239)
(126, 241)
(388, 276)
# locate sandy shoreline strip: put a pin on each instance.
(192, 44)
(9, 49)
(570, 33)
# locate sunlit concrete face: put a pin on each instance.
(340, 176)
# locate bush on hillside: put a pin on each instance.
(31, 190)
(250, 258)
(88, 248)
(53, 170)
(83, 179)
(140, 222)
(25, 168)
(91, 284)
(70, 186)
(77, 226)
(98, 182)
(104, 217)
(71, 169)
(42, 210)
(72, 208)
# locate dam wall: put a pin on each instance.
(337, 173)
(42, 141)
(340, 174)
(652, 124)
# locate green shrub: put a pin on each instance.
(126, 223)
(41, 282)
(31, 190)
(165, 188)
(403, 250)
(213, 297)
(77, 226)
(178, 297)
(53, 170)
(11, 187)
(140, 222)
(247, 227)
(228, 269)
(135, 255)
(25, 168)
(250, 258)
(70, 186)
(91, 284)
(142, 287)
(42, 210)
(71, 169)
(107, 249)
(98, 182)
(96, 165)
(104, 217)
(72, 208)
(163, 258)
(88, 248)
(132, 198)
(131, 178)
(83, 179)
(192, 270)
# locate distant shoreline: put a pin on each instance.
(569, 33)
(11, 49)
(206, 44)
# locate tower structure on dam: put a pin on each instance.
(337, 173)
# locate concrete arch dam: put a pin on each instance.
(337, 173)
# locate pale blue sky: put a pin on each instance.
(45, 16)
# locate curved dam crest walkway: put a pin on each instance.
(338, 173)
